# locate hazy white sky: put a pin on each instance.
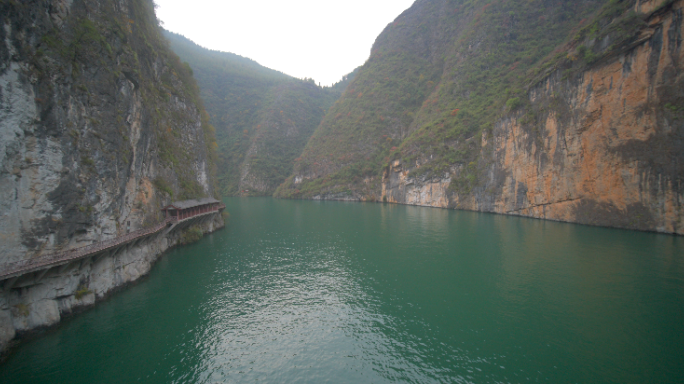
(319, 39)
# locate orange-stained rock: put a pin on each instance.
(607, 146)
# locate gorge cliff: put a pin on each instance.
(569, 111)
(101, 126)
(263, 117)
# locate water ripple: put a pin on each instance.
(318, 292)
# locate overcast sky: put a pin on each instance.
(318, 39)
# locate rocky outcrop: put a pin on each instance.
(42, 300)
(400, 186)
(601, 147)
(100, 126)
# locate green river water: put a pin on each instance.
(316, 292)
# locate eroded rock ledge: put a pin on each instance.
(36, 302)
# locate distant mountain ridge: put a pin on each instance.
(263, 118)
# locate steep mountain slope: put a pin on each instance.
(443, 67)
(264, 117)
(101, 125)
(467, 104)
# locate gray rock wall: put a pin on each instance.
(34, 303)
(100, 126)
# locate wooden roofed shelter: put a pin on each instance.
(181, 210)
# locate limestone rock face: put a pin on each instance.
(401, 187)
(607, 150)
(95, 114)
(37, 301)
(40, 313)
(100, 126)
(7, 331)
(606, 146)
(454, 108)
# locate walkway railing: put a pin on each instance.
(38, 263)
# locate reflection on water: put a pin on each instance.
(317, 292)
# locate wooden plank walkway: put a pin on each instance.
(60, 258)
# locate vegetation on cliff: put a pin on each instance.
(439, 77)
(125, 46)
(264, 117)
(121, 112)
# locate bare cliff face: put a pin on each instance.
(603, 146)
(100, 127)
(99, 124)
